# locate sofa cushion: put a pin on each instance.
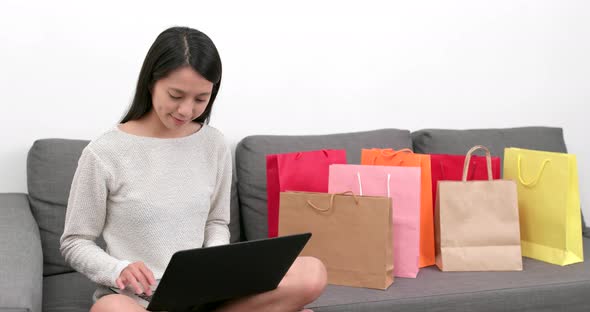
(51, 165)
(251, 164)
(21, 258)
(68, 292)
(539, 287)
(443, 141)
(235, 230)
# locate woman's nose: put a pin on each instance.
(185, 109)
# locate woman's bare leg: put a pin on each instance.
(116, 303)
(304, 282)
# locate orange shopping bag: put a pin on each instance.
(407, 158)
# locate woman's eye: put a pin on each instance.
(174, 97)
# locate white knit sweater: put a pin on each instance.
(148, 197)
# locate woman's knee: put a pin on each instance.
(116, 303)
(314, 278)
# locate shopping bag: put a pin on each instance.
(299, 171)
(351, 235)
(402, 184)
(406, 158)
(450, 168)
(549, 203)
(477, 223)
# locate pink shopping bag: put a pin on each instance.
(402, 184)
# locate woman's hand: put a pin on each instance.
(138, 277)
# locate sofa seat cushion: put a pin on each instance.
(539, 287)
(67, 292)
(251, 164)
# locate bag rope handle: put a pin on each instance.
(537, 178)
(358, 175)
(331, 206)
(468, 160)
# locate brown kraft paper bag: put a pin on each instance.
(351, 235)
(477, 223)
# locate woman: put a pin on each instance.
(159, 182)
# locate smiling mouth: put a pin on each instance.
(179, 121)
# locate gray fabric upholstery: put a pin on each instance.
(549, 298)
(68, 292)
(21, 266)
(251, 164)
(539, 287)
(235, 230)
(51, 164)
(439, 141)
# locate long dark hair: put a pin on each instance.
(174, 48)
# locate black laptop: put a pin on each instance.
(201, 279)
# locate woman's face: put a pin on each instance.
(180, 97)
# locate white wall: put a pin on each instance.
(68, 68)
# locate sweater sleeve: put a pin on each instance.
(216, 227)
(85, 219)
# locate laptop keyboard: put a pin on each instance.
(149, 298)
(130, 292)
(145, 297)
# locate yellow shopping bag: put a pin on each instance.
(549, 204)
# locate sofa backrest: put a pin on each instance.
(51, 165)
(251, 165)
(251, 151)
(443, 141)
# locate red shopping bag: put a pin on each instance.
(300, 171)
(450, 168)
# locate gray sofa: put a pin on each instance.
(34, 276)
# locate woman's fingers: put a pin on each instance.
(134, 284)
(148, 274)
(138, 276)
(141, 279)
(120, 283)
